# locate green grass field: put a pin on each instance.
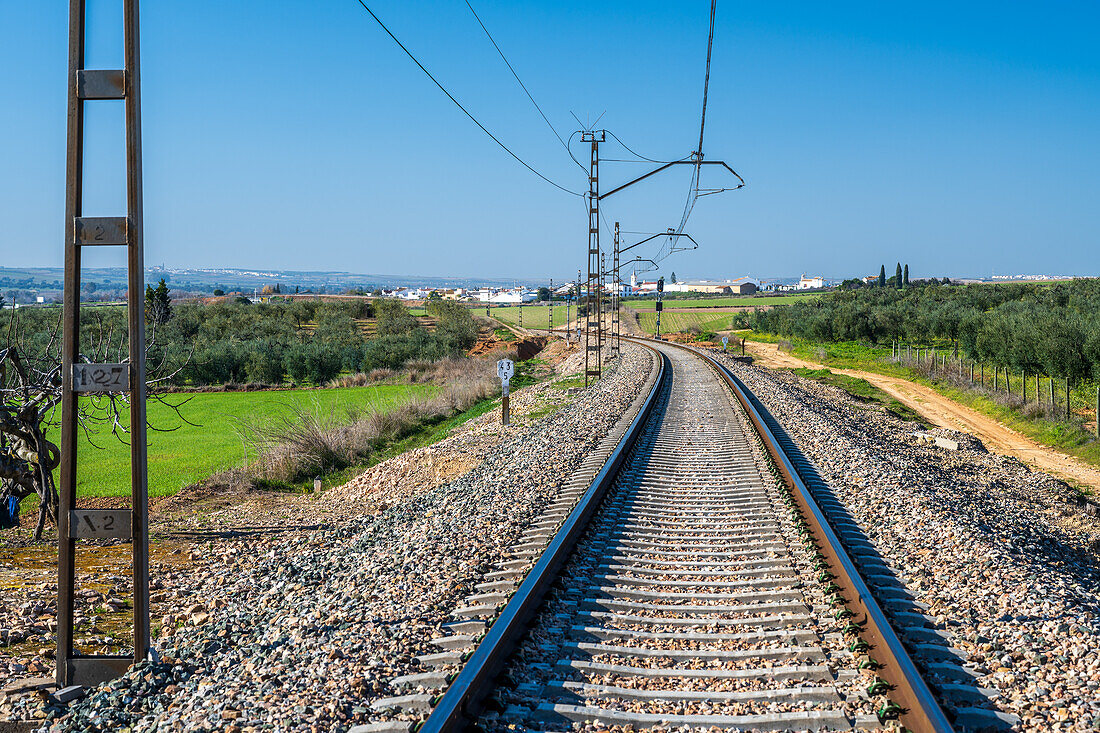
(534, 316)
(747, 301)
(191, 453)
(673, 322)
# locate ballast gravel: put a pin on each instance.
(998, 551)
(301, 630)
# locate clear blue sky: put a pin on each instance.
(958, 137)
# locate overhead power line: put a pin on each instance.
(458, 104)
(706, 78)
(521, 84)
(637, 155)
(693, 189)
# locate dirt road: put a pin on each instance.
(947, 413)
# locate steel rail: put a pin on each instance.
(920, 710)
(459, 705)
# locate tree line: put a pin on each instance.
(1034, 328)
(303, 341)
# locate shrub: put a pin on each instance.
(264, 363)
(394, 319)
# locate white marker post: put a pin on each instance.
(505, 370)
(725, 340)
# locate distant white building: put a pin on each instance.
(807, 283)
(517, 295)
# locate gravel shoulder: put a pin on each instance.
(947, 413)
(272, 626)
(1007, 565)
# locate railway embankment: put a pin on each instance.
(300, 621)
(1007, 565)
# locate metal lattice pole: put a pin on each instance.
(568, 335)
(80, 231)
(616, 342)
(603, 285)
(578, 307)
(593, 322)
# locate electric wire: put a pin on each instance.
(693, 189)
(639, 155)
(520, 81)
(706, 79)
(458, 104)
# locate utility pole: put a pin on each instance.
(578, 307)
(550, 312)
(615, 340)
(568, 334)
(603, 286)
(79, 377)
(593, 329)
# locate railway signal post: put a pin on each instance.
(660, 290)
(82, 378)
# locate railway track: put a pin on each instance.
(694, 583)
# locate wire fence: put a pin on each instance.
(1035, 395)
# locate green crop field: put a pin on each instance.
(673, 322)
(747, 301)
(534, 316)
(191, 453)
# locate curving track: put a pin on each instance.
(700, 591)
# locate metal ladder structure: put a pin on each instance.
(615, 288)
(593, 320)
(81, 378)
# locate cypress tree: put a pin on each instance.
(897, 277)
(882, 276)
(905, 276)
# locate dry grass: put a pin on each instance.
(1031, 409)
(308, 442)
(417, 371)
